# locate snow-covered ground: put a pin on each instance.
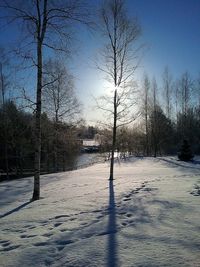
(148, 217)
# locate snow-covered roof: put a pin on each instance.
(90, 142)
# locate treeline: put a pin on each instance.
(60, 122)
(59, 143)
(168, 114)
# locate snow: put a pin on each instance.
(149, 216)
(90, 142)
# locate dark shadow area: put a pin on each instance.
(181, 163)
(112, 229)
(195, 161)
(15, 209)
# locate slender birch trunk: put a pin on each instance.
(36, 190)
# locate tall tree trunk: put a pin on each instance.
(36, 190)
(56, 169)
(113, 136)
(147, 134)
(114, 45)
(41, 30)
(5, 123)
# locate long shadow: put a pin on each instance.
(180, 163)
(15, 209)
(112, 229)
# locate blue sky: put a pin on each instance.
(170, 32)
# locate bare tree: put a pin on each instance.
(155, 117)
(46, 23)
(118, 57)
(167, 92)
(60, 101)
(197, 87)
(145, 109)
(185, 87)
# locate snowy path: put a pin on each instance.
(147, 217)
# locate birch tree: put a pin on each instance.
(185, 91)
(120, 34)
(167, 92)
(60, 101)
(155, 124)
(46, 24)
(145, 109)
(3, 90)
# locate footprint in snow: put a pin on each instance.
(64, 242)
(27, 236)
(57, 224)
(32, 227)
(60, 248)
(40, 244)
(61, 244)
(84, 223)
(126, 199)
(5, 243)
(61, 216)
(72, 219)
(9, 248)
(19, 231)
(47, 234)
(63, 230)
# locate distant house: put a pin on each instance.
(90, 146)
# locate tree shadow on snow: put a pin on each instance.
(15, 209)
(112, 229)
(184, 164)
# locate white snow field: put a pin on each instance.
(148, 217)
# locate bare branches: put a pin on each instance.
(58, 93)
(121, 34)
(48, 18)
(46, 21)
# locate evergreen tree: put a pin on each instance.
(185, 153)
